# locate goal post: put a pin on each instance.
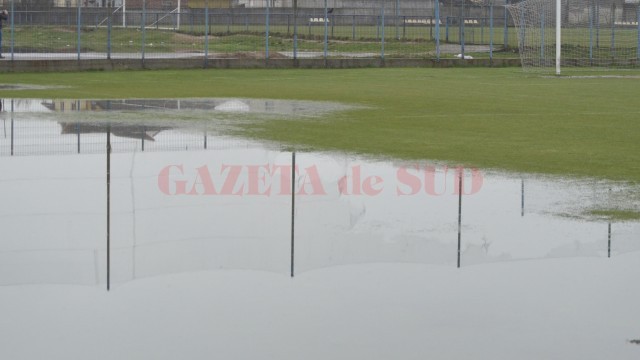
(589, 34)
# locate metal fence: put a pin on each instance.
(476, 29)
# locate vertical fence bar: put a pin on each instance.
(491, 31)
(326, 32)
(613, 31)
(382, 30)
(143, 26)
(638, 42)
(483, 23)
(591, 18)
(506, 27)
(295, 30)
(13, 34)
(404, 26)
(398, 18)
(437, 16)
(597, 21)
(78, 24)
(462, 30)
(542, 37)
(353, 27)
(558, 36)
(446, 30)
(109, 14)
(206, 33)
(266, 40)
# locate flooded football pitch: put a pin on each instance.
(108, 191)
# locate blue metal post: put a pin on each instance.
(542, 37)
(397, 18)
(506, 28)
(143, 26)
(78, 23)
(596, 15)
(295, 29)
(462, 30)
(491, 30)
(206, 34)
(437, 16)
(613, 30)
(13, 35)
(353, 27)
(109, 33)
(382, 31)
(446, 29)
(326, 30)
(266, 40)
(638, 20)
(591, 18)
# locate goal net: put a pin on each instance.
(601, 34)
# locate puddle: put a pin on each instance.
(181, 197)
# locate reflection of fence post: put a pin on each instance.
(293, 209)
(522, 199)
(12, 127)
(460, 171)
(609, 242)
(205, 139)
(144, 131)
(78, 135)
(108, 206)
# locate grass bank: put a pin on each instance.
(492, 118)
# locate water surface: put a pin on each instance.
(182, 195)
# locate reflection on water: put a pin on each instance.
(183, 198)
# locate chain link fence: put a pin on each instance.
(262, 29)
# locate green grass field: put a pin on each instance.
(488, 118)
